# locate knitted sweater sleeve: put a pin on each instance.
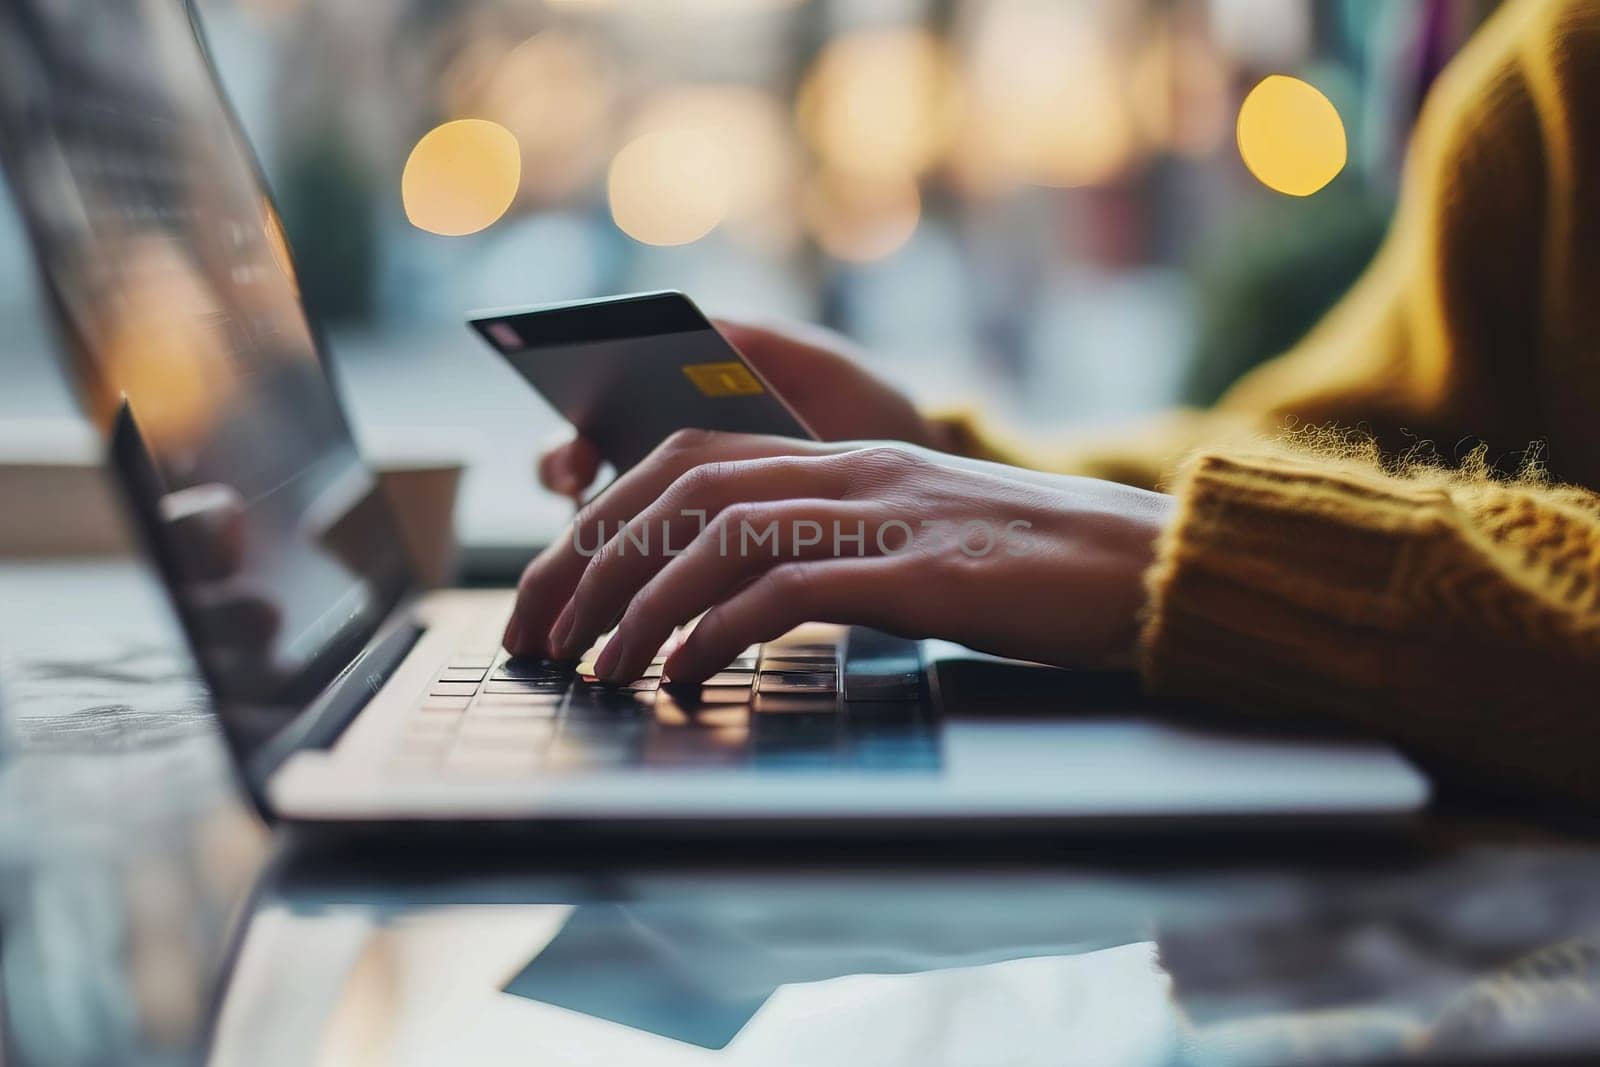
(1455, 614)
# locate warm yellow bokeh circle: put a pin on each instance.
(461, 177)
(670, 186)
(1290, 136)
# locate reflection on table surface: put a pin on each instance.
(912, 960)
(768, 968)
(125, 854)
(125, 848)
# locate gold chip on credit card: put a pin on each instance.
(723, 379)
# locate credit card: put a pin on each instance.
(627, 371)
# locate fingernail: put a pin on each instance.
(674, 669)
(607, 662)
(561, 632)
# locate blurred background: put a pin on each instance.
(1034, 207)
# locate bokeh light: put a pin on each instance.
(879, 101)
(1178, 90)
(160, 339)
(756, 154)
(669, 186)
(554, 91)
(1290, 136)
(461, 177)
(1046, 102)
(861, 217)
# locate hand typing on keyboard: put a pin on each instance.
(763, 533)
(796, 703)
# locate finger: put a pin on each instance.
(878, 591)
(725, 557)
(639, 549)
(785, 358)
(570, 467)
(548, 581)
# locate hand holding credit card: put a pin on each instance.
(627, 371)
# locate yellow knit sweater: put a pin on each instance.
(1457, 613)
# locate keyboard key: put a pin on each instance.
(522, 696)
(796, 724)
(801, 650)
(724, 718)
(669, 712)
(613, 729)
(527, 667)
(432, 725)
(796, 741)
(881, 667)
(472, 661)
(798, 682)
(608, 703)
(883, 686)
(519, 732)
(798, 663)
(677, 746)
(489, 762)
(773, 705)
(433, 703)
(423, 745)
(453, 689)
(516, 707)
(731, 677)
(868, 716)
(463, 674)
(717, 694)
(411, 767)
(708, 716)
(595, 685)
(582, 749)
(527, 685)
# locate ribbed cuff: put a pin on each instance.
(1282, 583)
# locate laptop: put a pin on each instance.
(351, 697)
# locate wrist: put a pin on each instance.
(1148, 516)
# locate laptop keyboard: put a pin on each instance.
(786, 704)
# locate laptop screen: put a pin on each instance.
(175, 289)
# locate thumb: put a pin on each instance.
(793, 366)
